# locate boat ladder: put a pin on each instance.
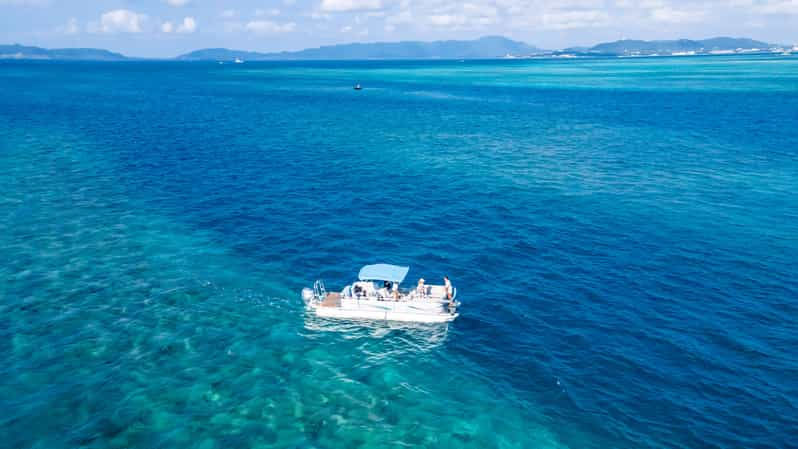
(319, 292)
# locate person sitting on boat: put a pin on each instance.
(383, 292)
(421, 289)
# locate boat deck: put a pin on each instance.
(331, 300)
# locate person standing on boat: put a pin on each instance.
(395, 289)
(447, 285)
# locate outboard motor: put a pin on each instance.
(307, 295)
(315, 295)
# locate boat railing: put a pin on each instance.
(407, 296)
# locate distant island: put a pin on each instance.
(483, 48)
(680, 47)
(65, 54)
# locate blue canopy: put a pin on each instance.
(383, 272)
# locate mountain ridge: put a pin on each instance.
(484, 47)
(17, 51)
(487, 47)
(643, 47)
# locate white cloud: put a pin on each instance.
(567, 20)
(268, 27)
(651, 4)
(189, 25)
(577, 4)
(267, 12)
(315, 15)
(670, 15)
(233, 27)
(229, 13)
(121, 21)
(766, 7)
(470, 15)
(24, 2)
(350, 5)
(777, 7)
(72, 26)
(177, 2)
(401, 18)
(446, 20)
(475, 9)
(346, 29)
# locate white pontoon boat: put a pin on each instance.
(377, 296)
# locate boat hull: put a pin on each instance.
(384, 315)
(407, 309)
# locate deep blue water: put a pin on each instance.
(623, 235)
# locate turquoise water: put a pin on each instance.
(622, 234)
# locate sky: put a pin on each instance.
(166, 28)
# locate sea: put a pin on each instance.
(622, 234)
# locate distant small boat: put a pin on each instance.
(239, 61)
(358, 87)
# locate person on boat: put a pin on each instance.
(383, 292)
(447, 285)
(421, 289)
(360, 290)
(395, 290)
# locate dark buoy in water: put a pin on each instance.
(357, 87)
